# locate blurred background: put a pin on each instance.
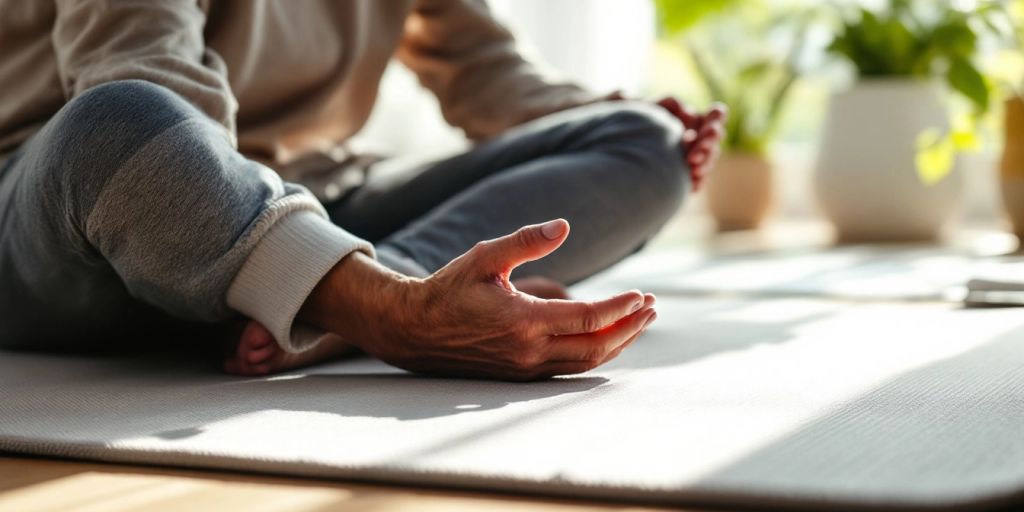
(854, 121)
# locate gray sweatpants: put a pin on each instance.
(126, 218)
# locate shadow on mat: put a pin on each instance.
(126, 398)
(948, 433)
(713, 328)
(175, 396)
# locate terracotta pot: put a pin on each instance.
(867, 182)
(740, 191)
(1012, 165)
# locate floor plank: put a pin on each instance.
(45, 485)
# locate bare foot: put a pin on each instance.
(257, 353)
(541, 287)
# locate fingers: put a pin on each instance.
(704, 149)
(541, 357)
(561, 317)
(615, 353)
(689, 119)
(702, 154)
(718, 112)
(556, 368)
(599, 346)
(708, 136)
(529, 243)
(617, 95)
(697, 179)
(710, 133)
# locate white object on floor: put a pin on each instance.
(998, 285)
(732, 402)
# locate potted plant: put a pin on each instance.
(888, 169)
(754, 80)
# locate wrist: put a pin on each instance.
(362, 301)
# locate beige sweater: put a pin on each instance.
(290, 80)
(288, 77)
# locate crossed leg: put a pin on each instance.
(614, 171)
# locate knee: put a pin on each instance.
(107, 122)
(650, 138)
(94, 134)
(131, 110)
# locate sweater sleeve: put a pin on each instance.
(470, 62)
(99, 41)
(280, 273)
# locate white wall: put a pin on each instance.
(602, 44)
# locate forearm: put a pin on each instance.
(483, 84)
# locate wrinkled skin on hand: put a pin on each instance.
(469, 320)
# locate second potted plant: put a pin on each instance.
(888, 169)
(754, 80)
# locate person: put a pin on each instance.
(171, 167)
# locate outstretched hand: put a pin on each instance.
(469, 320)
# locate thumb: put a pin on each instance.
(529, 243)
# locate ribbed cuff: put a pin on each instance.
(287, 263)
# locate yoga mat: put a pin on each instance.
(771, 403)
(862, 273)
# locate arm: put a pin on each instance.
(468, 320)
(157, 41)
(469, 61)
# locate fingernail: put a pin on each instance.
(637, 306)
(552, 229)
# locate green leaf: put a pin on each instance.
(756, 71)
(967, 80)
(955, 37)
(715, 87)
(900, 44)
(677, 16)
(935, 156)
(905, 40)
(964, 133)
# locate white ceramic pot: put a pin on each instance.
(867, 182)
(740, 191)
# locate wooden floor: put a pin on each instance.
(38, 485)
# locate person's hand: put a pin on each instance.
(471, 321)
(702, 137)
(468, 320)
(702, 134)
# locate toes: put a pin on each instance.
(262, 354)
(235, 367)
(252, 355)
(259, 369)
(255, 336)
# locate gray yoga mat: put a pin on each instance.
(782, 402)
